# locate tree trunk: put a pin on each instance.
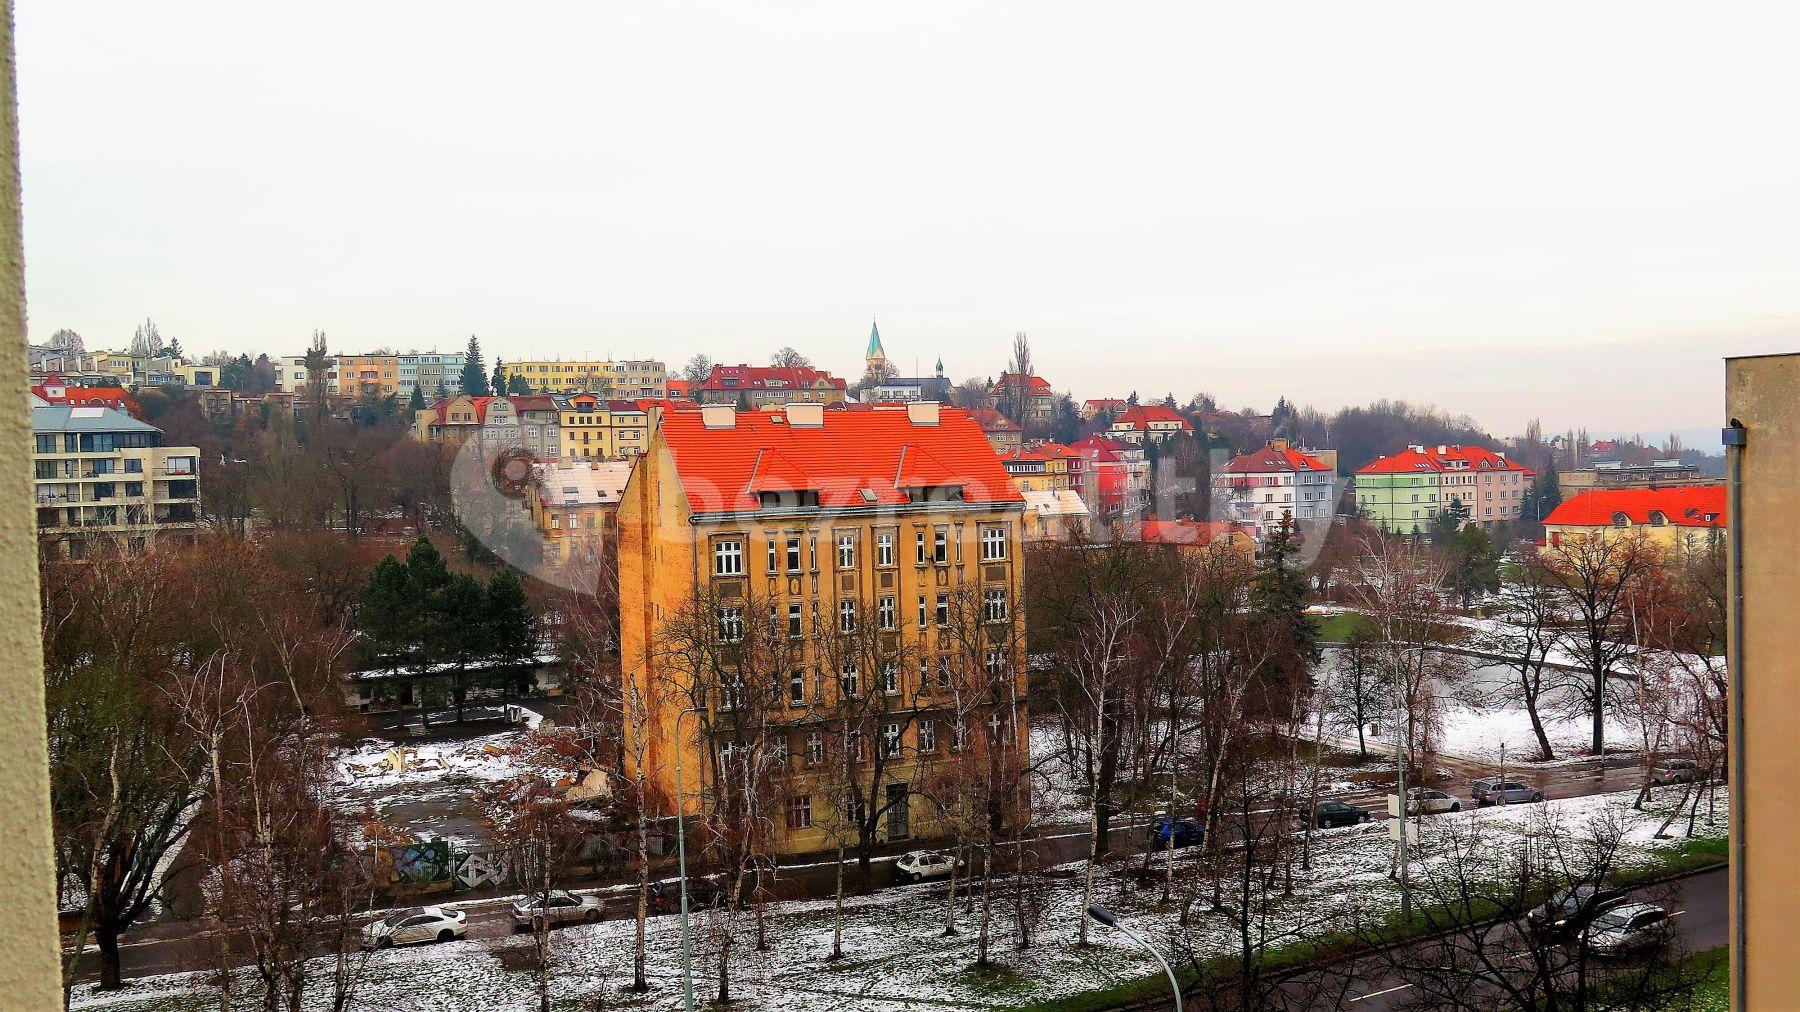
(106, 937)
(987, 906)
(638, 983)
(837, 911)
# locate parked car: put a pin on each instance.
(1426, 801)
(559, 906)
(1675, 771)
(415, 924)
(919, 865)
(1335, 813)
(1569, 910)
(1169, 834)
(1628, 928)
(1494, 791)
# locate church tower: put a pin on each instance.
(875, 356)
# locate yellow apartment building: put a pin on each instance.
(1679, 520)
(356, 375)
(811, 529)
(618, 379)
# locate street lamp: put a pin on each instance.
(687, 950)
(1105, 916)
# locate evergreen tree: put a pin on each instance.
(1279, 598)
(516, 385)
(1474, 564)
(474, 374)
(511, 629)
(175, 348)
(417, 401)
(1449, 519)
(498, 384)
(387, 613)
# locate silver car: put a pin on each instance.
(919, 865)
(414, 925)
(1628, 928)
(1494, 791)
(1425, 801)
(559, 906)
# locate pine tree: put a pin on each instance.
(1279, 597)
(417, 401)
(498, 384)
(516, 385)
(474, 375)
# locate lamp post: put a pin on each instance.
(1105, 916)
(687, 951)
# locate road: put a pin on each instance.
(171, 946)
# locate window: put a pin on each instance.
(996, 663)
(993, 544)
(731, 624)
(793, 555)
(959, 736)
(888, 613)
(890, 677)
(847, 681)
(993, 605)
(919, 542)
(890, 739)
(853, 746)
(815, 748)
(943, 609)
(943, 674)
(884, 548)
(927, 737)
(728, 557)
(796, 623)
(731, 692)
(774, 557)
(940, 545)
(847, 615)
(922, 620)
(846, 551)
(799, 811)
(797, 686)
(994, 726)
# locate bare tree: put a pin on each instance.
(1593, 577)
(1527, 632)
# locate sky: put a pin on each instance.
(1563, 211)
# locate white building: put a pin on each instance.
(1267, 485)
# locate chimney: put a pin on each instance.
(806, 416)
(1278, 444)
(718, 416)
(922, 412)
(1442, 449)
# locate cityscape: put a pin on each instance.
(1168, 593)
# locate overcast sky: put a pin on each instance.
(1569, 211)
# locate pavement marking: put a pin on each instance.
(1377, 994)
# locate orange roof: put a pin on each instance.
(56, 390)
(1420, 459)
(1035, 384)
(991, 420)
(881, 453)
(1270, 458)
(1188, 532)
(1142, 415)
(480, 404)
(1687, 506)
(769, 377)
(680, 388)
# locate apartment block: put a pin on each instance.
(1274, 483)
(101, 472)
(620, 379)
(1403, 492)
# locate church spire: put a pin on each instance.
(875, 352)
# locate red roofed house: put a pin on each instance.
(1403, 492)
(1027, 400)
(1201, 535)
(1679, 519)
(681, 389)
(1115, 480)
(1153, 423)
(452, 420)
(1274, 482)
(849, 554)
(1094, 407)
(1002, 434)
(57, 390)
(762, 385)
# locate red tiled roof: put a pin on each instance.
(1268, 458)
(1036, 384)
(480, 404)
(681, 388)
(74, 396)
(1140, 416)
(1103, 403)
(769, 377)
(1687, 506)
(991, 420)
(1188, 532)
(882, 452)
(532, 402)
(1418, 460)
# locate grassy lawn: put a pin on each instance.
(1337, 628)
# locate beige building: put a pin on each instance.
(574, 505)
(1762, 399)
(100, 471)
(624, 378)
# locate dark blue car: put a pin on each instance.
(1166, 833)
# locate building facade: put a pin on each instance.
(1149, 423)
(1404, 492)
(575, 505)
(1681, 521)
(101, 472)
(1266, 486)
(759, 386)
(608, 378)
(895, 529)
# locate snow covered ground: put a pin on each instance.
(895, 956)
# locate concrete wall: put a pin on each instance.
(1763, 393)
(30, 974)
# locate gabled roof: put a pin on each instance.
(532, 402)
(57, 390)
(1189, 532)
(991, 420)
(1684, 506)
(1097, 404)
(1141, 417)
(770, 377)
(1034, 384)
(880, 452)
(1054, 502)
(480, 404)
(1442, 458)
(1272, 458)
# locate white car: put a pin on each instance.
(919, 865)
(1627, 928)
(560, 907)
(1425, 801)
(414, 925)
